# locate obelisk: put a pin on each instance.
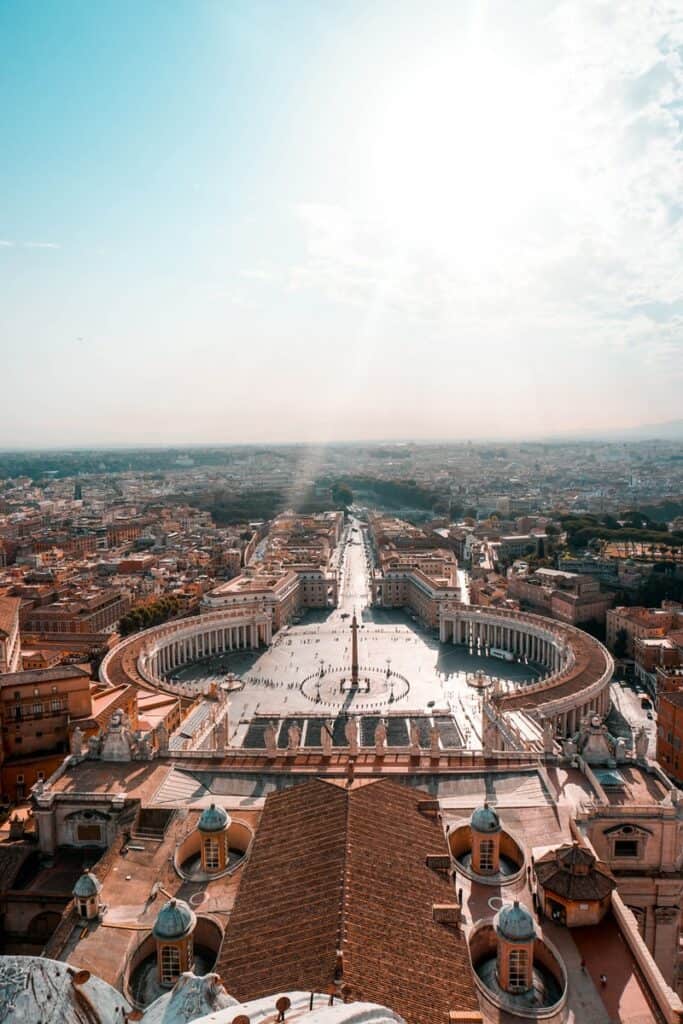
(354, 650)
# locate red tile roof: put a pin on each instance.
(332, 870)
(9, 610)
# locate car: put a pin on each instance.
(650, 715)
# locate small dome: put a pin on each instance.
(485, 819)
(87, 885)
(174, 920)
(515, 923)
(213, 819)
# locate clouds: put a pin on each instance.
(5, 244)
(596, 247)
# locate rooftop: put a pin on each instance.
(333, 870)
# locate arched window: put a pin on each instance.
(517, 972)
(211, 854)
(170, 965)
(486, 855)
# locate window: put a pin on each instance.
(170, 965)
(625, 847)
(89, 834)
(211, 857)
(517, 976)
(486, 855)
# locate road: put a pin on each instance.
(627, 703)
(355, 583)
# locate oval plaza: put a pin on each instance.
(454, 667)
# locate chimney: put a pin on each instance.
(447, 914)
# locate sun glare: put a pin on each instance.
(461, 153)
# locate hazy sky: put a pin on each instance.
(307, 219)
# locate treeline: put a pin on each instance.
(391, 493)
(146, 615)
(228, 507)
(581, 530)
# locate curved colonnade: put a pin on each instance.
(578, 667)
(146, 658)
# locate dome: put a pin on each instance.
(174, 920)
(515, 923)
(485, 819)
(31, 985)
(87, 885)
(213, 819)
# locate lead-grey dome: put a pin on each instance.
(87, 885)
(213, 819)
(174, 920)
(485, 819)
(515, 923)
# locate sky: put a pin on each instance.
(306, 220)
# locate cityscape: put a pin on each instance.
(341, 513)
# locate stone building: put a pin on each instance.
(10, 640)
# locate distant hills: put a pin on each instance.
(672, 430)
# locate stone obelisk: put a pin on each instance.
(354, 650)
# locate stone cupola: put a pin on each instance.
(173, 932)
(516, 934)
(213, 826)
(86, 893)
(486, 831)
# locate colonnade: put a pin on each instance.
(169, 652)
(527, 636)
(567, 723)
(525, 640)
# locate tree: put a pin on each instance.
(342, 494)
(621, 644)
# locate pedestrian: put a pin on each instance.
(603, 980)
(583, 965)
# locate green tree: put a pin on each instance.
(342, 494)
(621, 644)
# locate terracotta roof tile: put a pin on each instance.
(9, 610)
(332, 870)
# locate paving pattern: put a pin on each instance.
(408, 669)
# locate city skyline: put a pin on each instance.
(268, 222)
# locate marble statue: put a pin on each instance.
(380, 738)
(642, 743)
(293, 738)
(548, 737)
(270, 739)
(414, 740)
(434, 747)
(351, 733)
(76, 742)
